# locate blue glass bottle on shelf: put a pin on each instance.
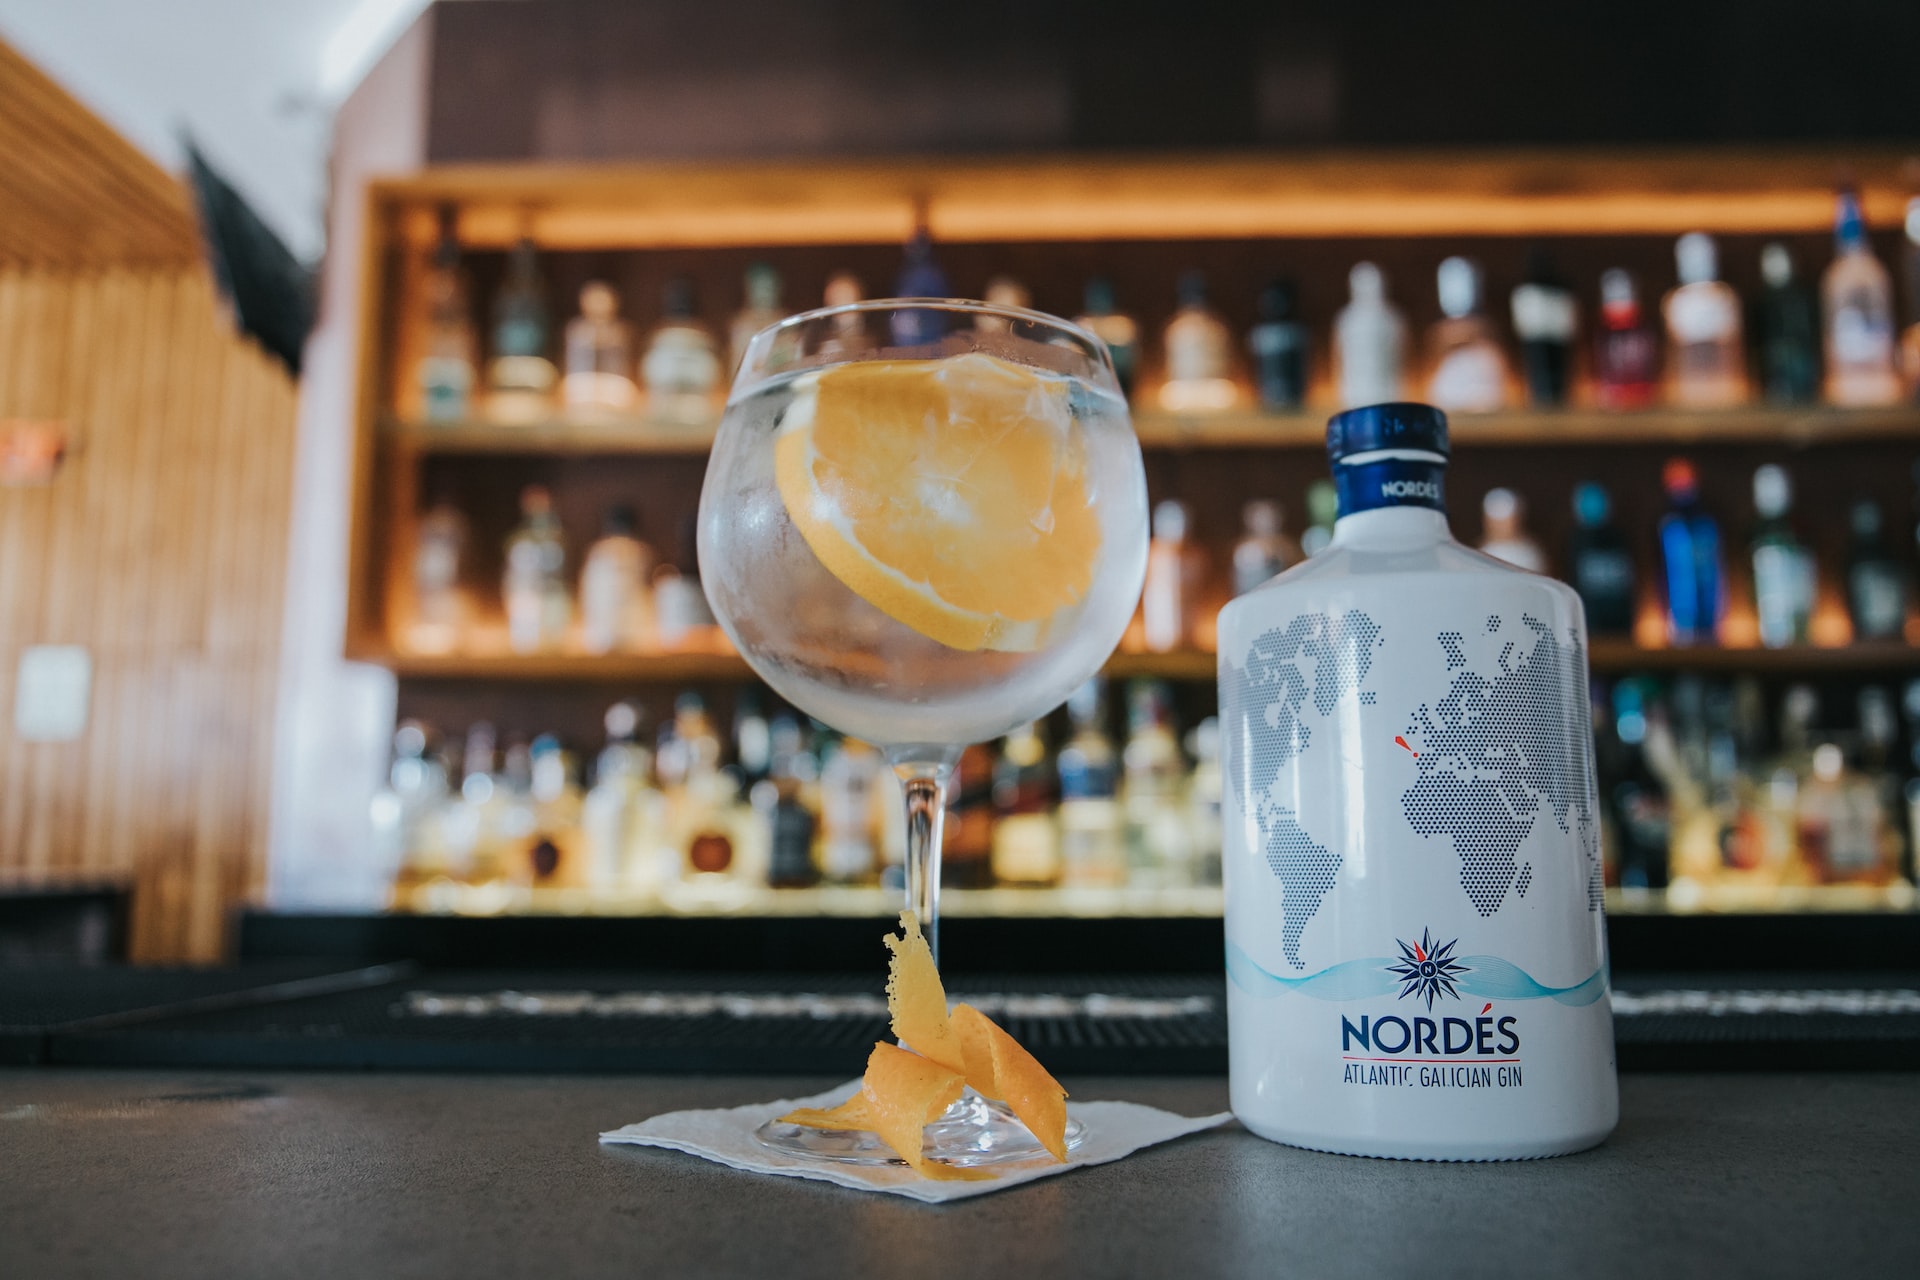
(1691, 559)
(920, 277)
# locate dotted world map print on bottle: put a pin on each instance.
(1293, 676)
(1497, 750)
(1504, 742)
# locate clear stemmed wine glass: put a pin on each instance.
(924, 523)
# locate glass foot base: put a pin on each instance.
(972, 1133)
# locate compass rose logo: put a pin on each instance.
(1427, 969)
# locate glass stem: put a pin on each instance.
(925, 782)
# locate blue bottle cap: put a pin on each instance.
(1398, 425)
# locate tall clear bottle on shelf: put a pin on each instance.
(534, 587)
(1278, 346)
(521, 376)
(1376, 704)
(1468, 369)
(1102, 318)
(1599, 565)
(599, 357)
(449, 348)
(849, 853)
(1153, 792)
(1199, 355)
(681, 616)
(681, 369)
(760, 308)
(1690, 557)
(1876, 580)
(1857, 296)
(402, 812)
(1263, 550)
(440, 607)
(1626, 352)
(1546, 320)
(1171, 591)
(1504, 536)
(1783, 570)
(1093, 850)
(616, 609)
(623, 817)
(1788, 331)
(1706, 354)
(1369, 341)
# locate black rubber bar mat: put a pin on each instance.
(1110, 1025)
(38, 1002)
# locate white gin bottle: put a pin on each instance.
(1416, 952)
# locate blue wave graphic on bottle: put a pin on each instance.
(1487, 977)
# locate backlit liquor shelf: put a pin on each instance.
(1604, 656)
(452, 897)
(1760, 424)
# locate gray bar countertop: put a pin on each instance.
(146, 1173)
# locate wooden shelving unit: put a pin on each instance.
(1062, 206)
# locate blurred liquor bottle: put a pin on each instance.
(1707, 364)
(1876, 581)
(1468, 370)
(920, 277)
(1626, 353)
(681, 616)
(1101, 318)
(1910, 263)
(1369, 341)
(1598, 563)
(1857, 295)
(1263, 550)
(1546, 321)
(440, 543)
(1153, 791)
(1093, 848)
(1642, 816)
(1323, 508)
(1205, 789)
(1783, 567)
(555, 853)
(623, 817)
(1175, 567)
(521, 377)
(534, 585)
(1787, 328)
(1278, 345)
(849, 853)
(1199, 354)
(1026, 839)
(449, 349)
(760, 308)
(599, 357)
(403, 810)
(967, 846)
(1691, 562)
(616, 609)
(1504, 531)
(681, 368)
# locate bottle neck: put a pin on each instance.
(1391, 529)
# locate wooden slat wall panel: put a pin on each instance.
(74, 192)
(161, 547)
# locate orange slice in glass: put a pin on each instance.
(952, 495)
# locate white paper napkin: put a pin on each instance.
(1113, 1130)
